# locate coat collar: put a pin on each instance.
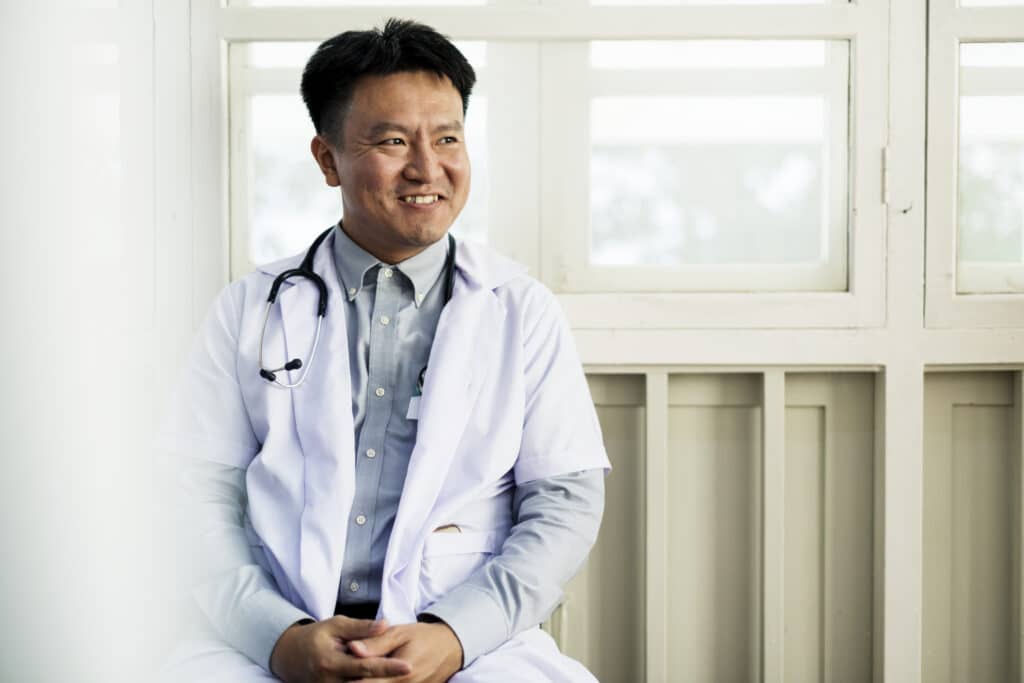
(481, 266)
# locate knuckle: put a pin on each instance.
(321, 665)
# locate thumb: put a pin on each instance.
(349, 629)
(380, 645)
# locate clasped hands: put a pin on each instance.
(344, 649)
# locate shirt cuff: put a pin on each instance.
(259, 622)
(475, 616)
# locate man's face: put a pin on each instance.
(402, 165)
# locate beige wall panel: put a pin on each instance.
(805, 544)
(601, 622)
(713, 528)
(972, 499)
(829, 537)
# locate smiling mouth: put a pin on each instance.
(421, 198)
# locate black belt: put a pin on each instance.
(357, 610)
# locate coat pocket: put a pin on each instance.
(450, 558)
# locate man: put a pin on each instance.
(453, 498)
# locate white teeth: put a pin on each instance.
(420, 199)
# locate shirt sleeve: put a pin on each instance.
(236, 594)
(557, 520)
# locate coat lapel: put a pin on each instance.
(323, 422)
(460, 357)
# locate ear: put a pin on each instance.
(323, 153)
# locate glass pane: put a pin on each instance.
(724, 178)
(991, 168)
(706, 54)
(289, 203)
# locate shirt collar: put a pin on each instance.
(352, 262)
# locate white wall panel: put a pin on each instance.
(972, 511)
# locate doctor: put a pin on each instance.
(413, 508)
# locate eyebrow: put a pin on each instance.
(387, 126)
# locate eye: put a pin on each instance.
(392, 142)
(449, 140)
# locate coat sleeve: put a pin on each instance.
(561, 433)
(208, 419)
(208, 441)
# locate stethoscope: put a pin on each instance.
(305, 270)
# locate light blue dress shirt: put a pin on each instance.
(391, 314)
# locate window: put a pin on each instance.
(975, 267)
(669, 168)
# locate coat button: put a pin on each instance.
(354, 586)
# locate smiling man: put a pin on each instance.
(407, 501)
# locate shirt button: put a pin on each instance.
(384, 320)
(419, 298)
(379, 392)
(387, 272)
(361, 520)
(353, 586)
(370, 453)
(352, 291)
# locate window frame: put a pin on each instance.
(530, 231)
(948, 27)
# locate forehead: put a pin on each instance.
(407, 97)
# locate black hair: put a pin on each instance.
(331, 73)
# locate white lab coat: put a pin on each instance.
(504, 392)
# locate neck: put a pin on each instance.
(387, 254)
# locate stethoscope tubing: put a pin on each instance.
(305, 270)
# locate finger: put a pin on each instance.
(378, 645)
(347, 628)
(371, 667)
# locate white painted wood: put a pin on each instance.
(210, 253)
(549, 22)
(514, 150)
(656, 525)
(903, 520)
(948, 27)
(773, 401)
(173, 211)
(564, 191)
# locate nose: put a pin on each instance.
(423, 165)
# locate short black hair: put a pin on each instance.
(331, 73)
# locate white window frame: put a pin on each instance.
(537, 231)
(949, 26)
